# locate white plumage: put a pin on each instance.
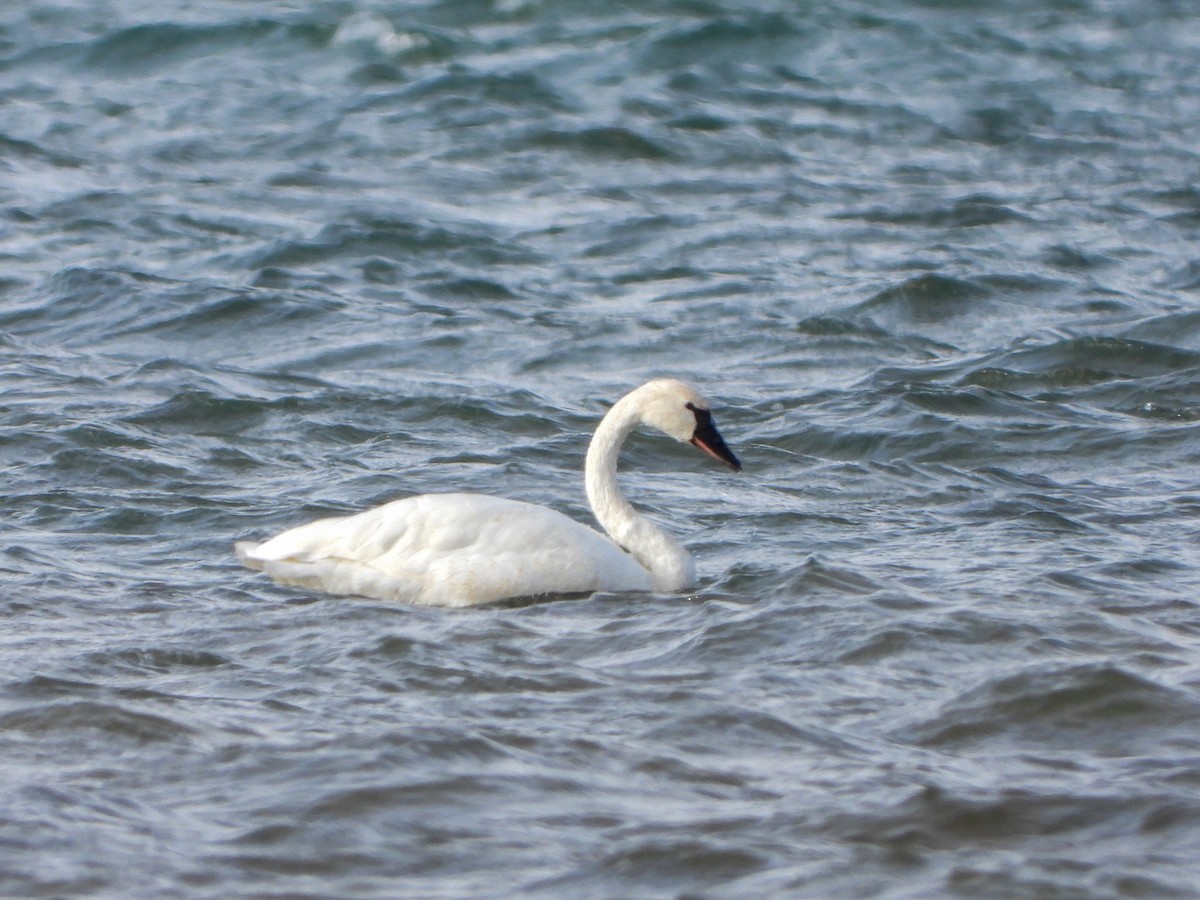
(467, 549)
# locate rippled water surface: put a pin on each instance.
(935, 263)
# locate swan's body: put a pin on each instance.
(467, 549)
(449, 550)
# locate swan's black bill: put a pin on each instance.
(707, 438)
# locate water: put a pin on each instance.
(933, 262)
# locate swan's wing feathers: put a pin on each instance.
(359, 538)
(475, 531)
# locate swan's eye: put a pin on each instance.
(703, 416)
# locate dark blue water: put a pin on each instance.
(934, 263)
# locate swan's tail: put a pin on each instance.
(247, 554)
(332, 575)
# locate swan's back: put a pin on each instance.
(448, 550)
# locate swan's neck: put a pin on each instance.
(670, 566)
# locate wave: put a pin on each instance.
(60, 720)
(1104, 707)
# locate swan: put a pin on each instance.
(459, 550)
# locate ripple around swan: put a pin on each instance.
(80, 717)
(770, 36)
(655, 863)
(1117, 356)
(937, 819)
(1104, 707)
(147, 47)
(964, 212)
(394, 239)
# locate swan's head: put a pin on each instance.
(676, 408)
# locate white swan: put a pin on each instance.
(467, 549)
